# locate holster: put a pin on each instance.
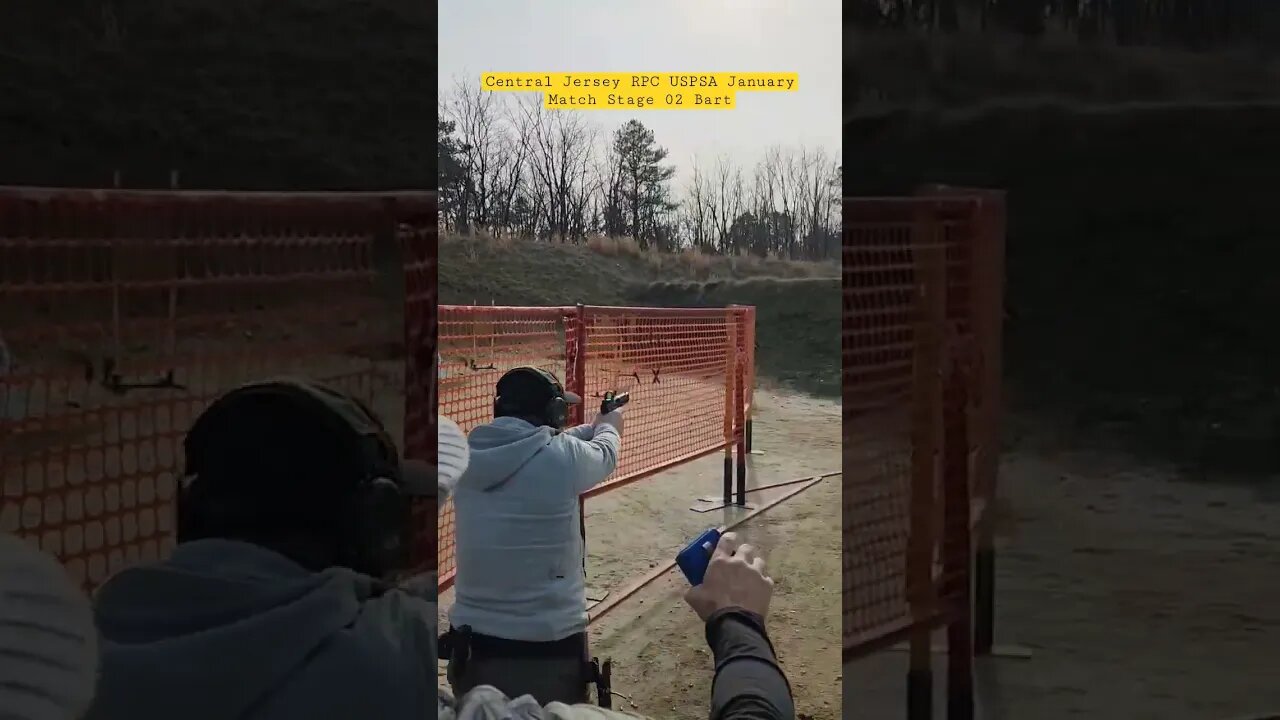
(456, 646)
(601, 675)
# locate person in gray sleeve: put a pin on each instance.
(48, 645)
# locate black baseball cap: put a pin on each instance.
(531, 388)
(306, 427)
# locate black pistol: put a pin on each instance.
(612, 401)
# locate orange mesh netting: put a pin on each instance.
(123, 313)
(920, 314)
(678, 365)
(421, 250)
(477, 345)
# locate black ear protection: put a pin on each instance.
(375, 526)
(556, 411)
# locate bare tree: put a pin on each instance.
(560, 147)
(474, 114)
(726, 201)
(698, 209)
(511, 170)
(815, 169)
(518, 168)
(781, 176)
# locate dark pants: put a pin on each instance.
(548, 671)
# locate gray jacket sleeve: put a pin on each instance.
(582, 432)
(595, 459)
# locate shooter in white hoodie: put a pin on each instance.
(519, 618)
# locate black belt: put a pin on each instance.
(461, 645)
(474, 644)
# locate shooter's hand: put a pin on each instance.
(613, 419)
(735, 578)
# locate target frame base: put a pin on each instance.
(1002, 652)
(707, 504)
(595, 596)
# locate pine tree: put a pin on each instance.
(643, 176)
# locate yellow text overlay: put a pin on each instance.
(631, 91)
(611, 100)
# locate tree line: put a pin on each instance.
(1198, 24)
(509, 167)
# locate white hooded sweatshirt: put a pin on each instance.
(519, 542)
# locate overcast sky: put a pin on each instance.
(801, 36)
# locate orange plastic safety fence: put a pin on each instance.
(913, 315)
(749, 345)
(677, 364)
(983, 336)
(420, 242)
(123, 313)
(477, 345)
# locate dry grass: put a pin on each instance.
(698, 264)
(797, 302)
(614, 246)
(797, 321)
(689, 263)
(691, 260)
(474, 240)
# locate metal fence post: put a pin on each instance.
(930, 268)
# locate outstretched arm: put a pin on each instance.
(586, 431)
(597, 458)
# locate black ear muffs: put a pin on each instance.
(556, 411)
(379, 529)
(375, 533)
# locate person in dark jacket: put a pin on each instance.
(278, 600)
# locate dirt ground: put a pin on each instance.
(661, 663)
(1138, 594)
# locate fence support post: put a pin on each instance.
(750, 389)
(730, 413)
(576, 362)
(419, 319)
(745, 316)
(728, 474)
(931, 311)
(576, 379)
(987, 279)
(957, 538)
(990, 258)
(739, 399)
